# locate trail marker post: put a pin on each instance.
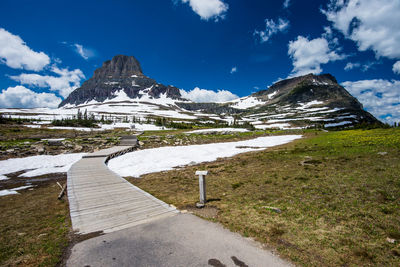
(202, 188)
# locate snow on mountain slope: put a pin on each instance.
(246, 102)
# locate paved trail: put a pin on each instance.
(142, 230)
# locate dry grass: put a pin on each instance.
(339, 197)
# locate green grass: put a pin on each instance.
(34, 227)
(339, 193)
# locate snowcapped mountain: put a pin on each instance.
(122, 73)
(119, 89)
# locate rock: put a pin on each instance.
(390, 240)
(39, 148)
(54, 142)
(141, 143)
(382, 153)
(10, 150)
(200, 205)
(272, 209)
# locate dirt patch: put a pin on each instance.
(43, 180)
(208, 211)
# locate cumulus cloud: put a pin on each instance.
(203, 95)
(16, 54)
(309, 55)
(372, 24)
(64, 83)
(396, 67)
(286, 4)
(22, 97)
(233, 70)
(271, 28)
(208, 9)
(380, 97)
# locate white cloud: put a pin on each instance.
(364, 67)
(380, 97)
(85, 53)
(396, 67)
(369, 65)
(64, 83)
(233, 70)
(21, 97)
(308, 55)
(271, 28)
(16, 54)
(203, 95)
(372, 24)
(286, 3)
(80, 50)
(330, 36)
(350, 66)
(208, 9)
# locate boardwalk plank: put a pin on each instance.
(100, 200)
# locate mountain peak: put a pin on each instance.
(119, 66)
(121, 73)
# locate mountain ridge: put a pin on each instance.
(303, 101)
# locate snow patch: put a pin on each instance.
(247, 102)
(272, 126)
(33, 126)
(240, 130)
(159, 159)
(111, 83)
(39, 165)
(13, 191)
(270, 96)
(338, 124)
(309, 104)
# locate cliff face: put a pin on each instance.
(120, 73)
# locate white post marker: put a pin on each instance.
(202, 187)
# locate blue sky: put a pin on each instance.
(48, 48)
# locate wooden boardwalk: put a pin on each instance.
(101, 200)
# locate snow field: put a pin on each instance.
(160, 159)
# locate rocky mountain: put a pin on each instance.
(120, 88)
(121, 73)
